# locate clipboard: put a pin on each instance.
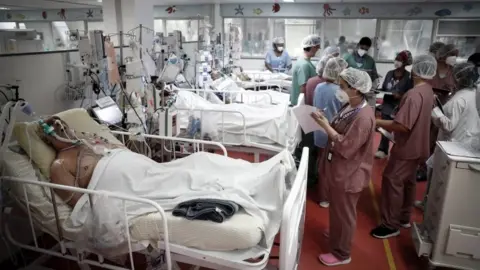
(387, 134)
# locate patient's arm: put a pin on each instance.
(61, 176)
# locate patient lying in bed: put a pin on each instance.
(74, 163)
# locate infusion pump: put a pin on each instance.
(168, 123)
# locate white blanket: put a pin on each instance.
(261, 120)
(260, 188)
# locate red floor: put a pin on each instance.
(367, 253)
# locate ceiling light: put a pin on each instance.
(4, 8)
(99, 1)
(289, 1)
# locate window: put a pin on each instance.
(189, 28)
(65, 34)
(257, 33)
(96, 26)
(464, 34)
(44, 31)
(399, 35)
(257, 37)
(352, 29)
(8, 25)
(158, 26)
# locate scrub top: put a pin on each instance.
(325, 99)
(278, 63)
(302, 71)
(365, 63)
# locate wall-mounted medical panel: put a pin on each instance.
(372, 10)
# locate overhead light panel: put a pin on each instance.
(4, 8)
(99, 1)
(289, 1)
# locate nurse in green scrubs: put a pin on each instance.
(360, 59)
(303, 68)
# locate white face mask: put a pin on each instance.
(280, 49)
(318, 53)
(361, 52)
(451, 60)
(342, 96)
(397, 64)
(350, 51)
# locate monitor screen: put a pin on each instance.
(110, 115)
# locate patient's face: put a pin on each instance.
(61, 129)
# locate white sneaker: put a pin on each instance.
(419, 204)
(406, 225)
(324, 204)
(380, 155)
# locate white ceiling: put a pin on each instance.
(56, 4)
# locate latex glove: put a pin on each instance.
(436, 113)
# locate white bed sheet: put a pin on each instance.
(242, 231)
(265, 121)
(258, 188)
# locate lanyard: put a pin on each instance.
(342, 114)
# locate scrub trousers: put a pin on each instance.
(384, 142)
(343, 221)
(308, 141)
(398, 191)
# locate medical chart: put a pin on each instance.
(304, 118)
(387, 134)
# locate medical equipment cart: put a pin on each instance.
(450, 233)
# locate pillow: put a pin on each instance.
(41, 153)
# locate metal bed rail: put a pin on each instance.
(243, 131)
(265, 79)
(68, 244)
(197, 145)
(233, 96)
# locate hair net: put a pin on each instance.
(433, 49)
(357, 79)
(406, 57)
(322, 63)
(445, 51)
(331, 50)
(278, 40)
(333, 68)
(311, 41)
(424, 66)
(465, 75)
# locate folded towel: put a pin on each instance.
(206, 209)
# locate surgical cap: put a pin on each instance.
(406, 57)
(311, 41)
(333, 68)
(279, 40)
(435, 47)
(424, 66)
(331, 50)
(322, 63)
(445, 51)
(357, 79)
(465, 75)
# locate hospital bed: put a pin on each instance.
(265, 80)
(249, 128)
(228, 245)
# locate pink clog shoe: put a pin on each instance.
(330, 260)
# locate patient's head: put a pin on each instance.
(61, 129)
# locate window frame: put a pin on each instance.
(433, 34)
(165, 19)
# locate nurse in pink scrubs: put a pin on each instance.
(347, 160)
(410, 127)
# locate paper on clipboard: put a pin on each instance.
(387, 134)
(304, 118)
